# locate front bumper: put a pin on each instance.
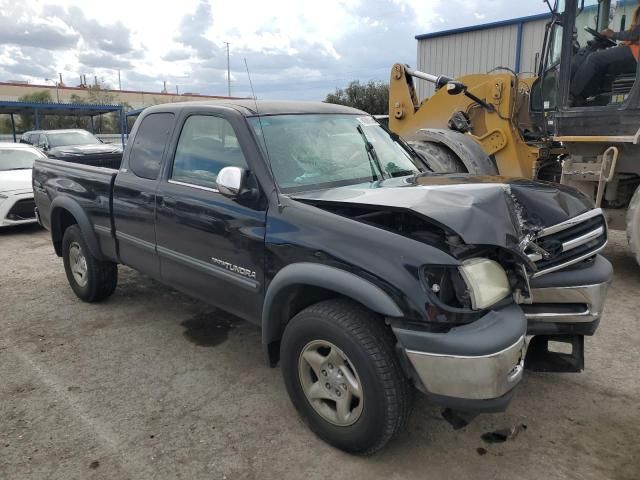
(472, 367)
(570, 301)
(11, 210)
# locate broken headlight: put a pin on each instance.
(477, 284)
(486, 280)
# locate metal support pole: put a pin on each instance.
(123, 125)
(519, 33)
(13, 128)
(93, 128)
(37, 119)
(228, 71)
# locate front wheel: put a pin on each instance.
(91, 280)
(343, 376)
(438, 157)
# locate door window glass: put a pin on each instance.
(149, 143)
(603, 72)
(207, 144)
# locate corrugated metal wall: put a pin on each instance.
(532, 38)
(478, 51)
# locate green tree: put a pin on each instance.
(372, 97)
(26, 121)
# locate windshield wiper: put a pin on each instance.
(371, 154)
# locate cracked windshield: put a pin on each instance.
(316, 151)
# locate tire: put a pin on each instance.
(366, 347)
(90, 279)
(438, 157)
(633, 224)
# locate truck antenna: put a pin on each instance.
(264, 138)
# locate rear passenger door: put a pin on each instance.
(209, 245)
(134, 193)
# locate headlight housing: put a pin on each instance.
(486, 280)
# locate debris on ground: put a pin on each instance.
(502, 435)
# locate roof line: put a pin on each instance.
(111, 90)
(484, 26)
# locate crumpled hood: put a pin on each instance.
(482, 210)
(92, 149)
(15, 180)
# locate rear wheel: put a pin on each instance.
(343, 376)
(439, 158)
(90, 279)
(633, 224)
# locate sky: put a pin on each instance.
(296, 49)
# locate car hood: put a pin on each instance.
(15, 180)
(92, 149)
(482, 210)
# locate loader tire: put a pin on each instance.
(438, 157)
(633, 225)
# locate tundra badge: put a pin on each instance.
(245, 272)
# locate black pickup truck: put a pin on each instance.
(370, 276)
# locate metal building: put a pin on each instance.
(512, 43)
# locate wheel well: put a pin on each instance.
(288, 303)
(60, 221)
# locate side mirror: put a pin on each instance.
(231, 181)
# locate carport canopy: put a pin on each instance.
(38, 109)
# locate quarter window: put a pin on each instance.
(207, 144)
(146, 153)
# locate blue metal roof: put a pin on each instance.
(52, 108)
(133, 113)
(484, 26)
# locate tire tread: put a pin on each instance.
(378, 342)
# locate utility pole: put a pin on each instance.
(228, 71)
(57, 88)
(119, 82)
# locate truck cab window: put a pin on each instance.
(146, 153)
(605, 53)
(207, 144)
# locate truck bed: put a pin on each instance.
(63, 183)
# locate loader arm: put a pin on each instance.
(495, 126)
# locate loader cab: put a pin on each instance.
(610, 105)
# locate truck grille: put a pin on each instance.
(568, 243)
(22, 210)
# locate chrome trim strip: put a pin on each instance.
(570, 262)
(475, 378)
(192, 185)
(581, 240)
(137, 242)
(208, 268)
(102, 230)
(490, 355)
(569, 223)
(593, 296)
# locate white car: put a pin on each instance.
(16, 191)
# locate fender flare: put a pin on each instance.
(464, 146)
(326, 277)
(66, 203)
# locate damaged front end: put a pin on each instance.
(527, 265)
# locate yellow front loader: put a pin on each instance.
(491, 110)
